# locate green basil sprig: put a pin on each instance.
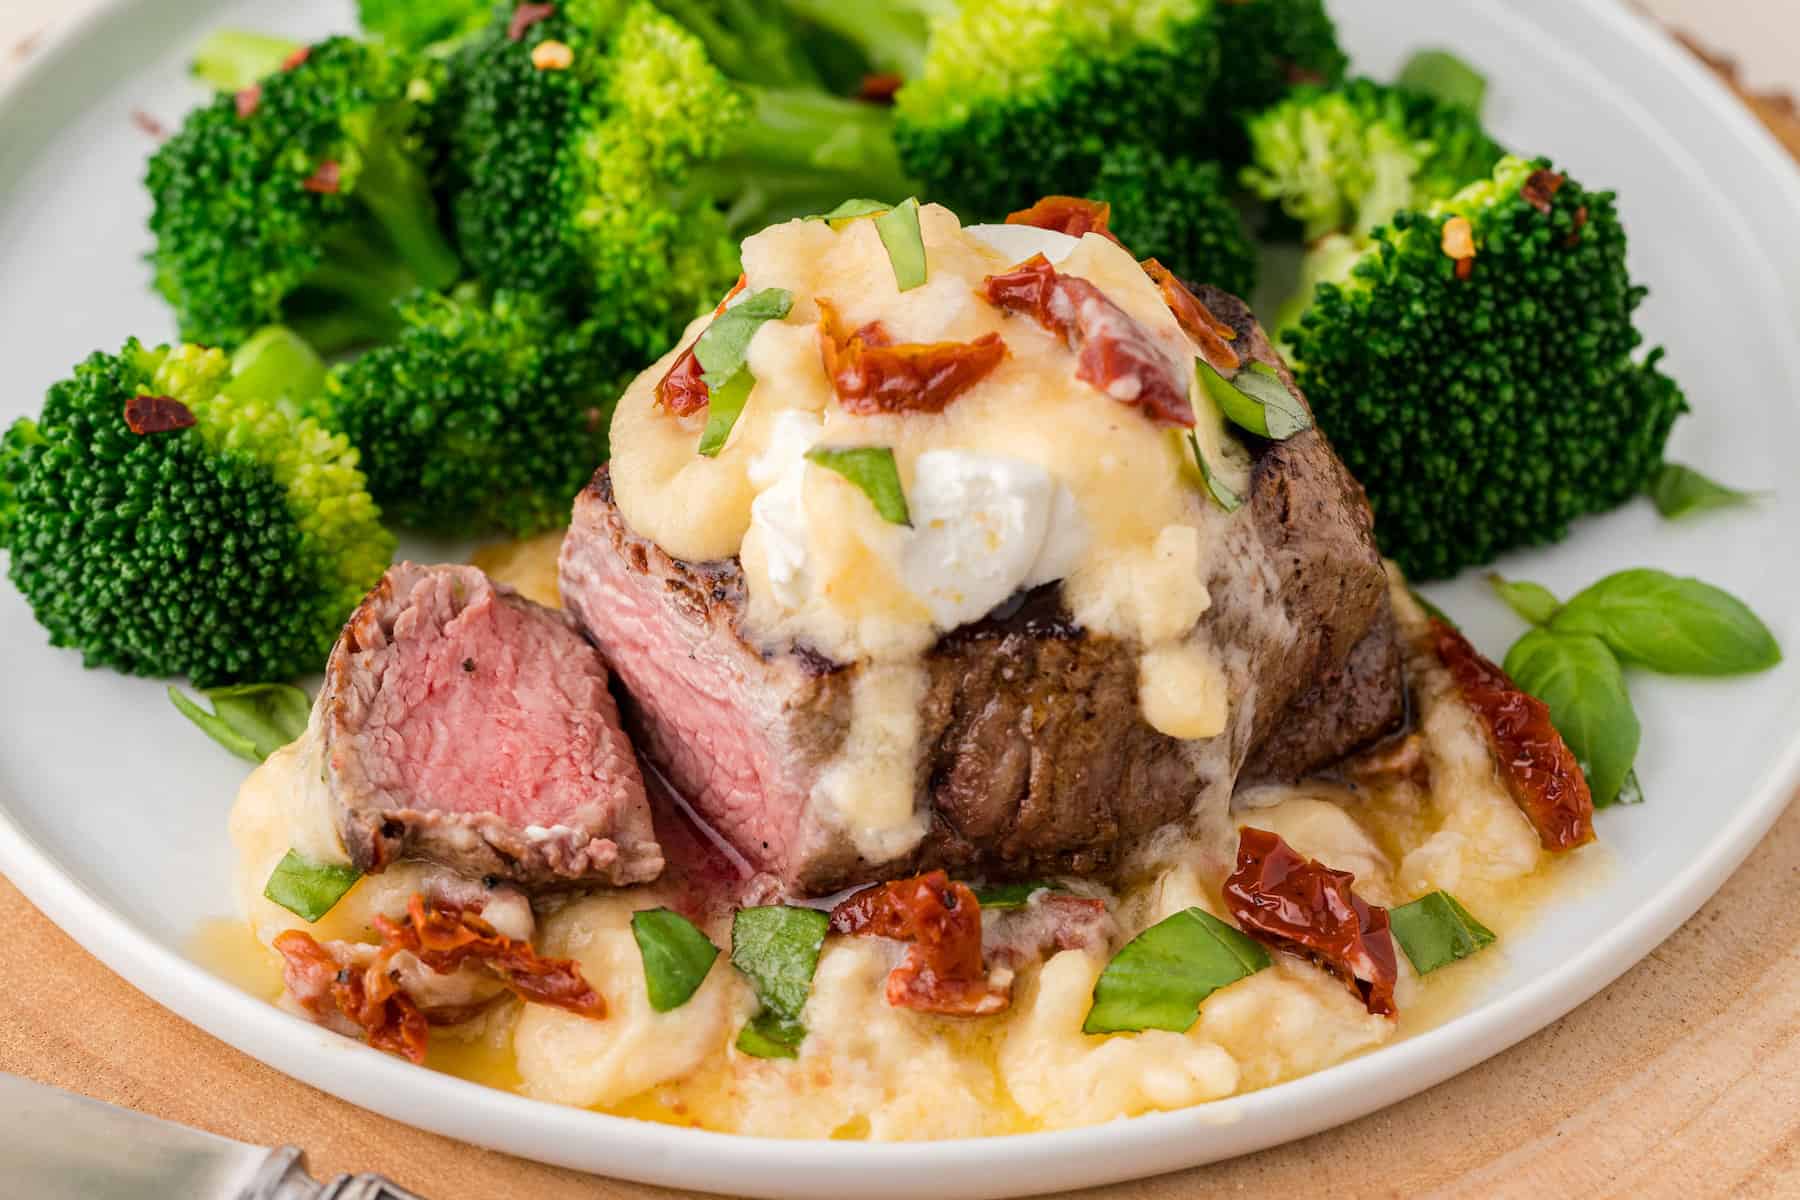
(874, 472)
(1216, 487)
(898, 227)
(252, 720)
(1671, 624)
(723, 350)
(676, 956)
(777, 948)
(1256, 400)
(309, 889)
(1435, 931)
(1679, 491)
(1159, 978)
(1532, 601)
(1579, 679)
(998, 896)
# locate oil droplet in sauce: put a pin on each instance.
(226, 947)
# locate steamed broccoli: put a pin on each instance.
(1265, 48)
(1179, 212)
(480, 416)
(423, 25)
(1484, 406)
(167, 514)
(230, 59)
(301, 200)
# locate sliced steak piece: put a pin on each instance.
(1034, 757)
(466, 725)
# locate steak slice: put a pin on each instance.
(1034, 757)
(466, 725)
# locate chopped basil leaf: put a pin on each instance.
(724, 345)
(1678, 491)
(1255, 399)
(777, 948)
(1532, 601)
(1671, 624)
(1445, 77)
(309, 889)
(1436, 931)
(873, 470)
(724, 407)
(676, 956)
(899, 230)
(252, 720)
(851, 209)
(1220, 491)
(1584, 687)
(1159, 978)
(1009, 895)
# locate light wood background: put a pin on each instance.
(1682, 1079)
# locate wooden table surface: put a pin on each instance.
(1681, 1079)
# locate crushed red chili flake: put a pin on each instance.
(248, 99)
(879, 88)
(525, 16)
(326, 178)
(368, 998)
(1073, 215)
(157, 414)
(872, 374)
(1117, 355)
(1581, 220)
(1300, 905)
(444, 937)
(148, 124)
(942, 971)
(296, 58)
(1208, 332)
(1540, 188)
(1540, 770)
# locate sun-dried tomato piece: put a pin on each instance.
(248, 100)
(1301, 905)
(1116, 354)
(942, 971)
(1073, 215)
(525, 16)
(879, 88)
(743, 281)
(683, 390)
(443, 938)
(296, 57)
(157, 414)
(1540, 188)
(368, 997)
(1540, 770)
(872, 374)
(1208, 332)
(325, 179)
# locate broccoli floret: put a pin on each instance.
(1486, 406)
(423, 25)
(1180, 212)
(303, 203)
(227, 542)
(480, 416)
(1344, 160)
(1267, 47)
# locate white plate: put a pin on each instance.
(112, 808)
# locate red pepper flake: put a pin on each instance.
(149, 124)
(879, 88)
(1117, 355)
(325, 179)
(1540, 770)
(1073, 215)
(872, 375)
(1208, 332)
(1302, 906)
(157, 414)
(296, 58)
(942, 971)
(248, 100)
(443, 938)
(525, 16)
(1540, 188)
(368, 998)
(1581, 220)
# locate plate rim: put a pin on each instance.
(666, 1155)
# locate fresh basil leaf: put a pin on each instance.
(723, 347)
(1532, 601)
(1584, 687)
(1217, 488)
(1678, 491)
(1436, 931)
(849, 210)
(1159, 978)
(676, 956)
(873, 470)
(723, 408)
(1009, 895)
(899, 230)
(1445, 77)
(309, 889)
(777, 948)
(1255, 399)
(252, 720)
(1671, 624)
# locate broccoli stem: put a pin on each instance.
(233, 59)
(747, 39)
(348, 299)
(276, 365)
(398, 195)
(892, 36)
